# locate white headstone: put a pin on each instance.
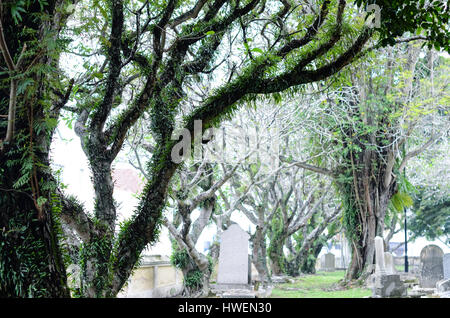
(379, 256)
(389, 263)
(446, 265)
(431, 265)
(233, 256)
(330, 262)
(386, 283)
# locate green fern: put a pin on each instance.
(401, 200)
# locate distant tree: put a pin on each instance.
(431, 206)
(372, 129)
(431, 217)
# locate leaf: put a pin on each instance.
(41, 201)
(51, 123)
(401, 200)
(258, 50)
(23, 85)
(16, 8)
(210, 33)
(98, 75)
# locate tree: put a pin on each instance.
(32, 93)
(294, 215)
(431, 219)
(164, 67)
(305, 246)
(278, 199)
(196, 267)
(430, 209)
(370, 135)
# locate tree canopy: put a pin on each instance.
(106, 65)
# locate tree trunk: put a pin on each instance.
(31, 262)
(96, 254)
(259, 256)
(367, 204)
(276, 255)
(309, 262)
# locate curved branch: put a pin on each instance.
(417, 151)
(75, 217)
(115, 65)
(309, 167)
(310, 32)
(298, 76)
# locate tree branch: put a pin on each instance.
(310, 32)
(417, 151)
(298, 76)
(74, 216)
(115, 65)
(4, 47)
(191, 14)
(309, 167)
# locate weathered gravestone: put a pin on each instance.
(431, 267)
(233, 258)
(389, 263)
(329, 262)
(443, 286)
(385, 284)
(380, 269)
(446, 265)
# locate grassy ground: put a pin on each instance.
(320, 285)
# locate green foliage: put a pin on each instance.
(22, 256)
(417, 17)
(401, 200)
(179, 258)
(193, 276)
(193, 279)
(350, 220)
(94, 20)
(431, 218)
(277, 237)
(98, 250)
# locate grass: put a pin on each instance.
(320, 285)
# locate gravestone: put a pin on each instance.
(389, 263)
(233, 258)
(431, 267)
(385, 283)
(322, 262)
(329, 262)
(379, 256)
(446, 265)
(443, 286)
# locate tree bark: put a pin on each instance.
(276, 255)
(370, 203)
(31, 262)
(259, 256)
